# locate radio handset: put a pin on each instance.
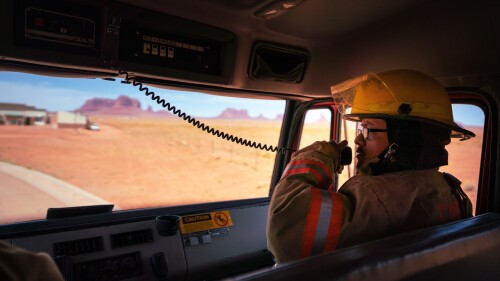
(346, 156)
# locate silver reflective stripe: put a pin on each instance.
(325, 214)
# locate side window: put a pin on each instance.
(464, 157)
(316, 126)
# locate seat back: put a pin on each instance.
(466, 249)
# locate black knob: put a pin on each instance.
(160, 266)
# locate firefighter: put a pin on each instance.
(405, 123)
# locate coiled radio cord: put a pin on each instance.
(188, 118)
(196, 123)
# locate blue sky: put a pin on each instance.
(63, 94)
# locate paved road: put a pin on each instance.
(27, 194)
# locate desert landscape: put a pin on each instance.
(138, 163)
(147, 161)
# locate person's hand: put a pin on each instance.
(339, 147)
(329, 148)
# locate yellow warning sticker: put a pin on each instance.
(206, 221)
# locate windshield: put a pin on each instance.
(76, 142)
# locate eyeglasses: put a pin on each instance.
(366, 131)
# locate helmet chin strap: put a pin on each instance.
(390, 152)
(384, 162)
(387, 161)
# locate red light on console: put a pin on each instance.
(39, 21)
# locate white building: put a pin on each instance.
(21, 114)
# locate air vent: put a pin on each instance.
(131, 238)
(78, 247)
(278, 63)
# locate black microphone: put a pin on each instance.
(346, 156)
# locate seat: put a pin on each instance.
(463, 250)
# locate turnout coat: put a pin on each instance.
(306, 217)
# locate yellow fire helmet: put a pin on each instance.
(403, 94)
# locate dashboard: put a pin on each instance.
(207, 244)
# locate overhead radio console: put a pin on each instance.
(103, 35)
(58, 27)
(167, 46)
(170, 51)
(54, 26)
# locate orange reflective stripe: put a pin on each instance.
(311, 223)
(323, 223)
(318, 164)
(333, 236)
(318, 170)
